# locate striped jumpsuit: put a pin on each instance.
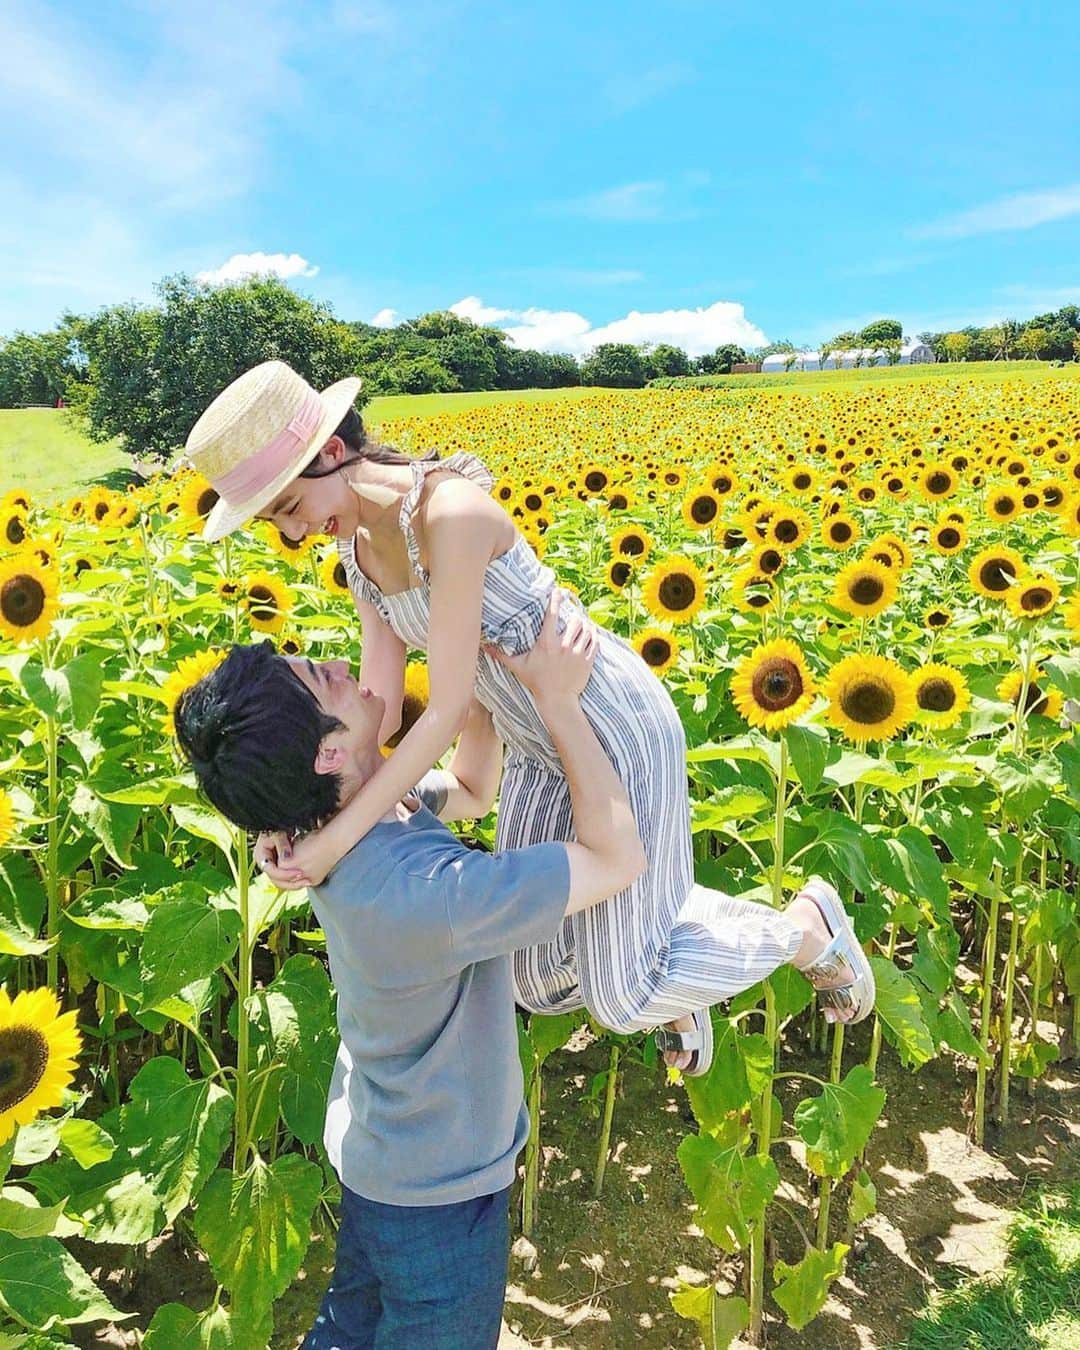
(664, 947)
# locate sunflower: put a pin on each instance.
(295, 550)
(1002, 503)
(38, 1046)
(289, 644)
(504, 491)
(937, 481)
(948, 537)
(13, 531)
(659, 650)
(333, 575)
(619, 499)
(752, 591)
(415, 699)
(722, 480)
(633, 543)
(1055, 493)
(993, 570)
(767, 558)
(1071, 613)
(618, 574)
(1035, 594)
(197, 499)
(870, 697)
(99, 502)
(532, 500)
(864, 589)
(1046, 702)
(27, 598)
(674, 476)
(941, 694)
(701, 508)
(840, 532)
(789, 527)
(675, 590)
(229, 589)
(123, 512)
(189, 670)
(772, 687)
(896, 546)
(15, 497)
(594, 481)
(937, 616)
(801, 479)
(75, 509)
(1070, 516)
(7, 818)
(268, 600)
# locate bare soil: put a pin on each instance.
(597, 1273)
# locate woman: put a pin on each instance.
(433, 562)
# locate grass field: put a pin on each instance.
(45, 451)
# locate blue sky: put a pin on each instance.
(670, 170)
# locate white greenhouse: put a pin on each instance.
(911, 354)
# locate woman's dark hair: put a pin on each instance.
(351, 430)
(251, 730)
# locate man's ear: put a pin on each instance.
(330, 758)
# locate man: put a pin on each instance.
(425, 1117)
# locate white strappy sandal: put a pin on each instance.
(698, 1043)
(843, 956)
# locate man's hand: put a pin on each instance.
(292, 867)
(558, 665)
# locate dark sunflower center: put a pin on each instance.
(673, 477)
(840, 531)
(949, 537)
(787, 531)
(771, 561)
(655, 651)
(868, 702)
(14, 531)
(938, 483)
(885, 557)
(633, 546)
(596, 481)
(895, 484)
(533, 501)
(101, 510)
(777, 684)
(207, 500)
(263, 605)
(22, 600)
(1035, 598)
(866, 590)
(505, 493)
(293, 545)
(291, 647)
(24, 1057)
(82, 565)
(936, 695)
(996, 574)
(733, 539)
(620, 573)
(937, 618)
(866, 494)
(802, 481)
(340, 579)
(703, 510)
(722, 483)
(759, 597)
(618, 501)
(1004, 506)
(1035, 698)
(677, 591)
(1053, 496)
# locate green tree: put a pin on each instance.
(153, 369)
(37, 367)
(468, 357)
(1033, 341)
(956, 346)
(880, 333)
(418, 375)
(664, 359)
(616, 365)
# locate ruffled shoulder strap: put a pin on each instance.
(468, 466)
(360, 585)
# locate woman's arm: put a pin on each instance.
(382, 666)
(461, 529)
(471, 780)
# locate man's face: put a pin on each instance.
(340, 696)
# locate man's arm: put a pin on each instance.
(608, 855)
(466, 789)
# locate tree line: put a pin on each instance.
(144, 372)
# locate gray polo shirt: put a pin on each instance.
(425, 1104)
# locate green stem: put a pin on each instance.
(875, 1039)
(532, 1157)
(989, 957)
(1002, 1114)
(764, 1142)
(52, 865)
(827, 1182)
(605, 1129)
(243, 1028)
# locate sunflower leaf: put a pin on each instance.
(838, 1123)
(719, 1319)
(40, 1281)
(731, 1188)
(901, 1014)
(801, 1289)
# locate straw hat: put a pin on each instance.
(257, 436)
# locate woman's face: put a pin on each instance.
(324, 505)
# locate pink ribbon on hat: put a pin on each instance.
(254, 473)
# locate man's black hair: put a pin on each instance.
(251, 730)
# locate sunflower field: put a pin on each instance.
(866, 605)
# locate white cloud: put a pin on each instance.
(242, 265)
(695, 330)
(631, 201)
(386, 318)
(1022, 211)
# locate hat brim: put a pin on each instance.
(226, 517)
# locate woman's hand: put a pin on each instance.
(295, 866)
(557, 665)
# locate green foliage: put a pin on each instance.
(801, 1289)
(618, 365)
(42, 1283)
(37, 368)
(731, 1188)
(719, 1319)
(837, 1124)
